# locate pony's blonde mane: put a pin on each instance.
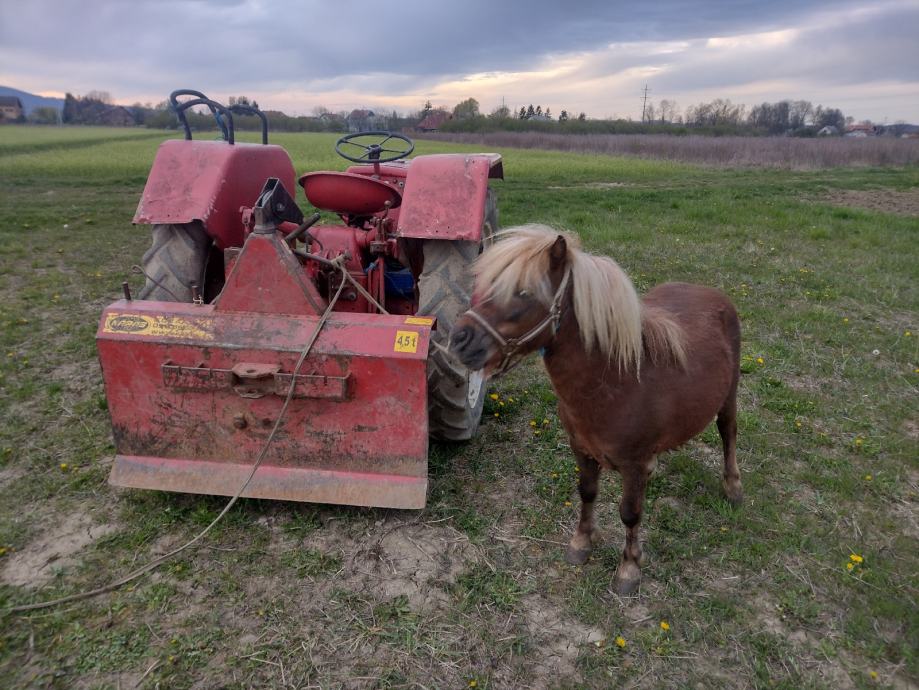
(609, 313)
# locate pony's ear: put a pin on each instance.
(558, 253)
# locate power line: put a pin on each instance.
(644, 103)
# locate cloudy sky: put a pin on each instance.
(593, 56)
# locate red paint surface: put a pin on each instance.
(209, 181)
(444, 196)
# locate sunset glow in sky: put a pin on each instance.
(596, 57)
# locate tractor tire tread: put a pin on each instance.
(445, 290)
(176, 259)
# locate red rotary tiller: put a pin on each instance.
(196, 370)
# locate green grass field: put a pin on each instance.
(813, 583)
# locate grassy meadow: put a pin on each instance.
(812, 583)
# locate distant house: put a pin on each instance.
(364, 121)
(434, 121)
(116, 116)
(862, 130)
(828, 131)
(10, 108)
(900, 130)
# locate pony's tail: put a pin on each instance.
(663, 338)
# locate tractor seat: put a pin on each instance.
(348, 193)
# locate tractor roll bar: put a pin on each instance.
(222, 114)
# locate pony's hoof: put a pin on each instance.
(734, 494)
(625, 587)
(628, 577)
(576, 556)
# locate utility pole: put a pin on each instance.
(644, 104)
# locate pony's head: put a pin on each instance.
(526, 285)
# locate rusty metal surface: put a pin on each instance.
(444, 196)
(267, 278)
(198, 387)
(280, 483)
(209, 181)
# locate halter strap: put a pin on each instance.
(510, 347)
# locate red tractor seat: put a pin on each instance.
(354, 195)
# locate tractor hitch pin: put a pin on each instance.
(126, 289)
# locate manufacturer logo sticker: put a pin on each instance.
(158, 326)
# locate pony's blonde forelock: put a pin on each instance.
(609, 313)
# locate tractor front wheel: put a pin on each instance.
(177, 258)
(456, 395)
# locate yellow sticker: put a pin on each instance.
(160, 326)
(406, 341)
(419, 321)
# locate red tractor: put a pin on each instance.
(237, 281)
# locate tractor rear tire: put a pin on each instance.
(176, 259)
(456, 395)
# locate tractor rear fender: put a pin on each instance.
(444, 196)
(208, 181)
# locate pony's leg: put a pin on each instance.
(579, 547)
(634, 482)
(727, 427)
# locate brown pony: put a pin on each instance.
(634, 377)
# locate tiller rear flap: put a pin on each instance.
(194, 391)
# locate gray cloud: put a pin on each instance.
(241, 46)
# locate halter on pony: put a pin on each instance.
(509, 347)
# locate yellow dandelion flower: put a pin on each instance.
(859, 442)
(171, 659)
(510, 400)
(874, 675)
(867, 477)
(760, 360)
(497, 415)
(64, 467)
(845, 319)
(545, 422)
(501, 403)
(907, 334)
(855, 558)
(798, 425)
(849, 566)
(174, 641)
(577, 469)
(665, 626)
(473, 683)
(494, 396)
(536, 433)
(555, 475)
(567, 504)
(620, 641)
(2, 550)
(533, 422)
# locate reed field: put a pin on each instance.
(812, 583)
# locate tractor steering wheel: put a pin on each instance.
(372, 151)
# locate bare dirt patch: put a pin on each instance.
(415, 560)
(884, 200)
(57, 547)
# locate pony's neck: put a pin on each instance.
(572, 367)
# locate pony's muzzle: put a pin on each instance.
(469, 344)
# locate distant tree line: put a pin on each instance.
(717, 117)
